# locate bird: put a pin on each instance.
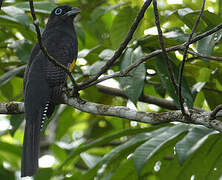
(44, 81)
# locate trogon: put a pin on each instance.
(43, 81)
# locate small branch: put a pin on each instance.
(181, 100)
(169, 66)
(106, 77)
(212, 89)
(147, 57)
(122, 47)
(143, 98)
(215, 111)
(205, 34)
(44, 50)
(198, 55)
(12, 108)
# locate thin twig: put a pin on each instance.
(213, 90)
(213, 114)
(106, 77)
(44, 50)
(122, 46)
(205, 34)
(181, 47)
(147, 57)
(169, 66)
(181, 100)
(198, 55)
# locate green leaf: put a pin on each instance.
(40, 7)
(80, 32)
(162, 70)
(125, 171)
(66, 120)
(199, 100)
(188, 17)
(133, 85)
(84, 147)
(106, 54)
(59, 153)
(144, 152)
(90, 160)
(18, 14)
(10, 153)
(122, 24)
(100, 11)
(96, 67)
(203, 161)
(204, 74)
(15, 121)
(206, 45)
(10, 74)
(6, 174)
(124, 150)
(171, 38)
(44, 173)
(8, 21)
(22, 49)
(210, 18)
(191, 142)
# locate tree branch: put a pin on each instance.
(122, 47)
(205, 34)
(181, 100)
(143, 98)
(213, 114)
(196, 117)
(147, 57)
(169, 66)
(180, 47)
(12, 108)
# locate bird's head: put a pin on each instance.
(63, 13)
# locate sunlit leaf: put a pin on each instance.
(133, 85)
(144, 152)
(191, 142)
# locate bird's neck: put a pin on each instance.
(65, 27)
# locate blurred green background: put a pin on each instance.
(77, 145)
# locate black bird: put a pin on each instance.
(43, 81)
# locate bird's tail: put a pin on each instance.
(30, 149)
(37, 95)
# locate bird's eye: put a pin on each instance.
(58, 11)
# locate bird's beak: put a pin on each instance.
(73, 12)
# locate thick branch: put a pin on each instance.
(143, 98)
(12, 108)
(196, 117)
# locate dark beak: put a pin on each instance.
(73, 12)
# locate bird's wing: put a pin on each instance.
(35, 51)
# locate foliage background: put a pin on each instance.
(98, 147)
